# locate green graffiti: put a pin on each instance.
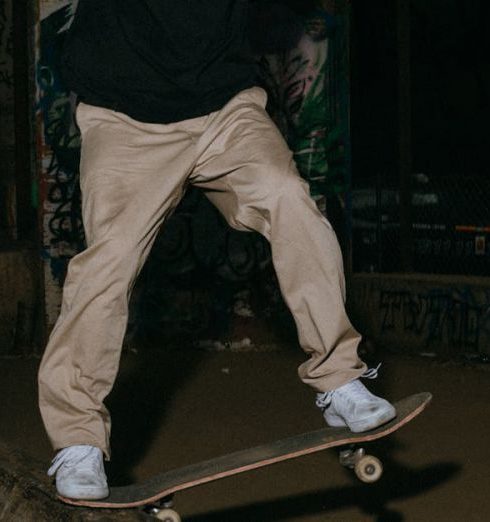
(308, 88)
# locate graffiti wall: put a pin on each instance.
(59, 151)
(308, 88)
(7, 143)
(200, 272)
(438, 316)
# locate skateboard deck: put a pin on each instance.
(165, 484)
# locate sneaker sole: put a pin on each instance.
(83, 493)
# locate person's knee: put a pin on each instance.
(283, 196)
(291, 194)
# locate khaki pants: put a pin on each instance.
(132, 176)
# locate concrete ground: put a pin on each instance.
(175, 407)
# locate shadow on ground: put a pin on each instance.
(139, 403)
(397, 483)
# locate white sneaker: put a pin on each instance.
(80, 473)
(354, 406)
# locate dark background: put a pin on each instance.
(450, 87)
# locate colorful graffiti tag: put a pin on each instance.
(304, 85)
(433, 315)
(438, 316)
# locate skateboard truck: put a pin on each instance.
(162, 510)
(366, 467)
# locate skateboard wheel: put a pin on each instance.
(168, 515)
(368, 469)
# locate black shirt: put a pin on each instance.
(159, 61)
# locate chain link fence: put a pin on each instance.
(450, 226)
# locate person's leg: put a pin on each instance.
(248, 172)
(132, 177)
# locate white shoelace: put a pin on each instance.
(371, 373)
(323, 400)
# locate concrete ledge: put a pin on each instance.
(439, 315)
(27, 495)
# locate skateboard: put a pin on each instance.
(155, 494)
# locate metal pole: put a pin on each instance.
(344, 92)
(26, 218)
(405, 133)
